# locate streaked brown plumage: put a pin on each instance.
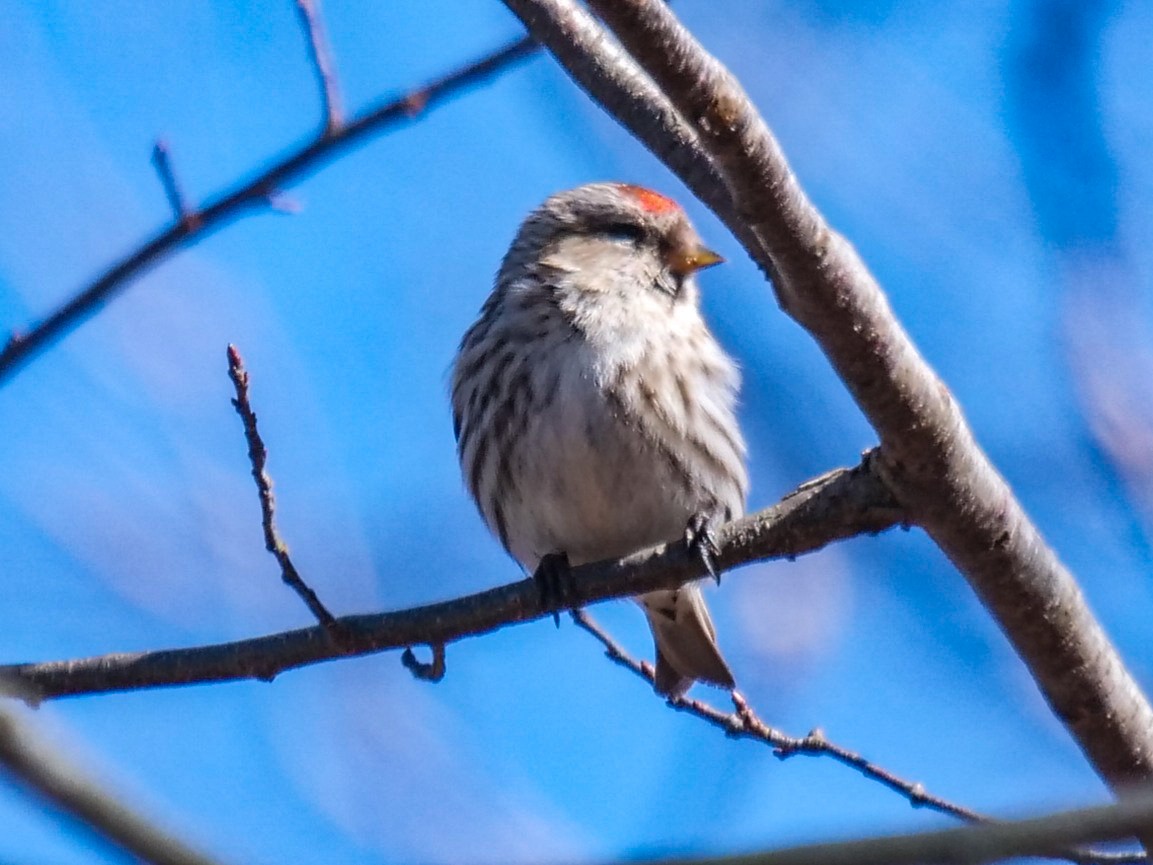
(594, 410)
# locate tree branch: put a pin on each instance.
(162, 161)
(928, 454)
(31, 763)
(250, 194)
(744, 723)
(257, 456)
(838, 505)
(969, 845)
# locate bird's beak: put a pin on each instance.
(686, 261)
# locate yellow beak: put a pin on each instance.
(686, 261)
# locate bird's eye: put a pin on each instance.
(625, 232)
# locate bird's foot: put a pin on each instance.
(553, 578)
(702, 542)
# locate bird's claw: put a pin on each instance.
(553, 578)
(702, 542)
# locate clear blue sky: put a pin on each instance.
(989, 159)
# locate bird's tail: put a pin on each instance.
(686, 641)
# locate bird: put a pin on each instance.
(594, 410)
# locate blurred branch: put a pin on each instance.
(969, 845)
(162, 160)
(744, 723)
(321, 55)
(1109, 356)
(928, 455)
(1057, 114)
(32, 764)
(838, 505)
(259, 191)
(258, 456)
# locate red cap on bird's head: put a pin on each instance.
(651, 201)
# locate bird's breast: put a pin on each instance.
(620, 457)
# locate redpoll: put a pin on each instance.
(594, 409)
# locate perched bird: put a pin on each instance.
(593, 408)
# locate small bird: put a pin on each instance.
(594, 409)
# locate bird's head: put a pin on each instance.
(611, 238)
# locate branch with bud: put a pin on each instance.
(33, 765)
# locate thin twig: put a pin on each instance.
(29, 761)
(843, 504)
(251, 194)
(320, 52)
(258, 456)
(744, 723)
(430, 672)
(162, 159)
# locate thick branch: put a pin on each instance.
(838, 505)
(30, 762)
(250, 194)
(928, 453)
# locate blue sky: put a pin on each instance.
(989, 159)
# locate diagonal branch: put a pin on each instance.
(248, 195)
(928, 453)
(838, 505)
(33, 765)
(744, 723)
(968, 845)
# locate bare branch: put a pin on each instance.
(320, 53)
(45, 774)
(969, 845)
(248, 195)
(838, 505)
(258, 456)
(744, 723)
(162, 160)
(928, 453)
